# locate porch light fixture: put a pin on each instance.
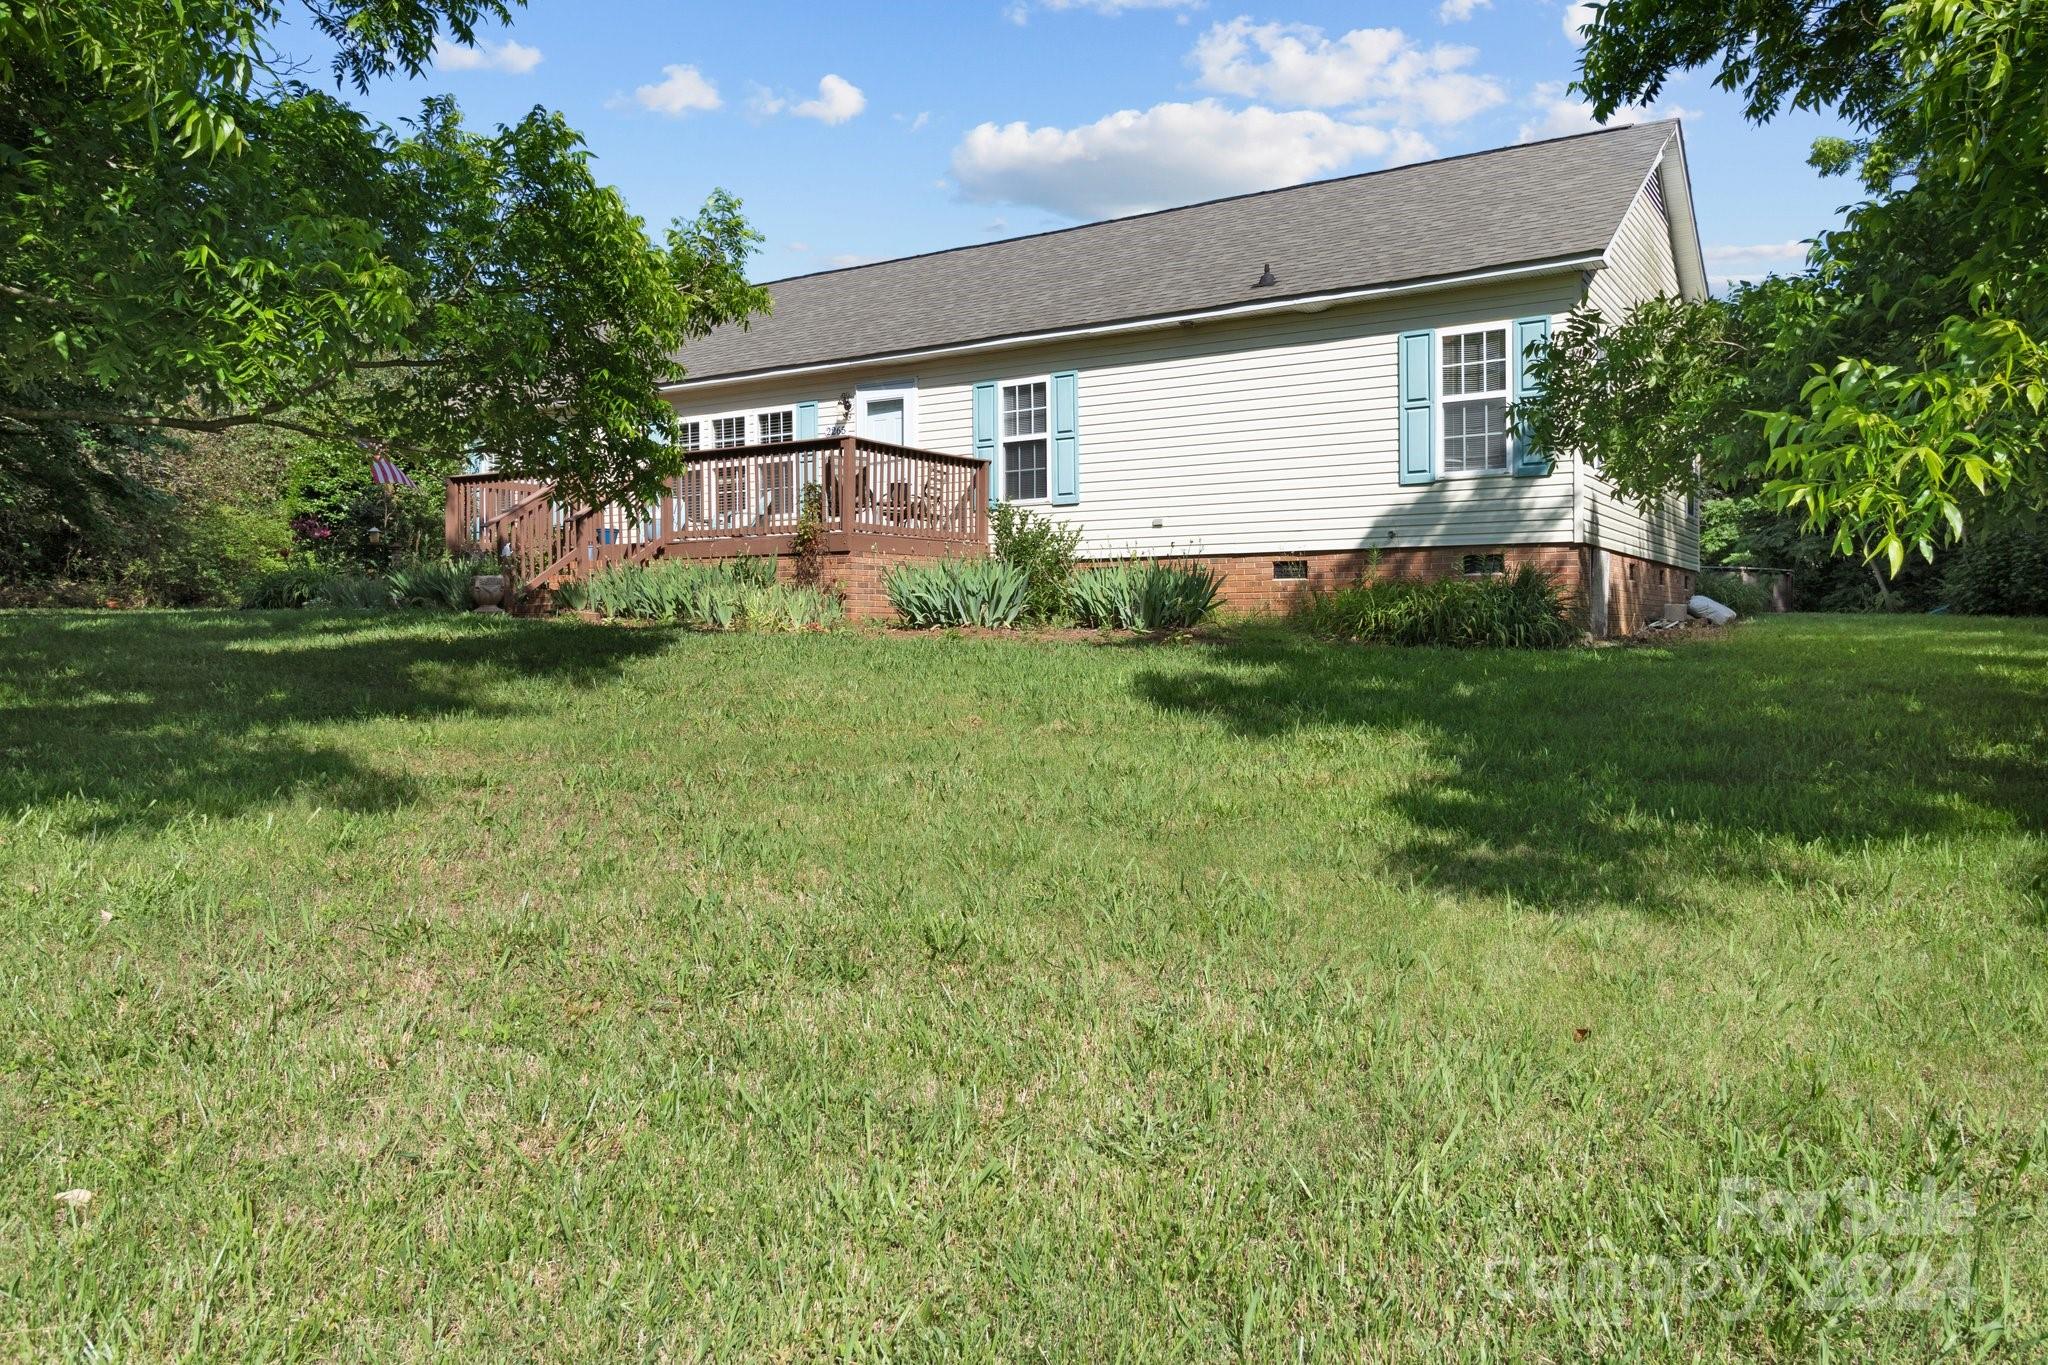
(1266, 278)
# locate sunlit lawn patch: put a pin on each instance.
(411, 986)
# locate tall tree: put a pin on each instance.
(1899, 389)
(193, 238)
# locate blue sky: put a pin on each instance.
(856, 132)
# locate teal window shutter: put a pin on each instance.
(806, 421)
(1417, 383)
(1528, 332)
(985, 437)
(1066, 439)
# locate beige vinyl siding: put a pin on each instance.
(1248, 435)
(1640, 265)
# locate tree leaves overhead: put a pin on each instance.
(191, 238)
(1806, 54)
(1898, 390)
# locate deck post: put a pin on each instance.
(451, 519)
(849, 490)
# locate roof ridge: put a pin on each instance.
(1228, 199)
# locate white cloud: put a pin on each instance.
(513, 59)
(846, 259)
(1458, 11)
(838, 100)
(1768, 251)
(1136, 160)
(682, 89)
(913, 125)
(1577, 18)
(1733, 263)
(1020, 11)
(1375, 68)
(1559, 114)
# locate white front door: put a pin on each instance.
(883, 421)
(887, 412)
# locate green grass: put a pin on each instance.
(407, 987)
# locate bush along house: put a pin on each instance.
(1296, 386)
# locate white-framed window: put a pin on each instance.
(729, 430)
(690, 437)
(1025, 434)
(1472, 399)
(724, 494)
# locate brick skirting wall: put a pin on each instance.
(1637, 588)
(856, 577)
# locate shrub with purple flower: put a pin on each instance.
(311, 529)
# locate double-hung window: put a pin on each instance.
(728, 432)
(779, 425)
(1475, 400)
(1025, 440)
(693, 476)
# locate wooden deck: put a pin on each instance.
(727, 503)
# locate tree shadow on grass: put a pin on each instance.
(149, 717)
(1578, 777)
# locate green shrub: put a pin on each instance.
(958, 592)
(709, 595)
(1145, 594)
(202, 555)
(1747, 599)
(786, 607)
(354, 592)
(2000, 569)
(289, 588)
(438, 585)
(1523, 610)
(632, 593)
(573, 596)
(1044, 550)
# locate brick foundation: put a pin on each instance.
(1637, 589)
(857, 579)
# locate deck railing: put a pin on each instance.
(740, 501)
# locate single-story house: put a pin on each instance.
(1294, 385)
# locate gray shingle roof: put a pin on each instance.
(1537, 202)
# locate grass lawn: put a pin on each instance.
(405, 988)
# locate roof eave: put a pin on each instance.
(1297, 303)
(1674, 181)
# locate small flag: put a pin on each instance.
(382, 470)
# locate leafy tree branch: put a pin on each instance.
(194, 239)
(1897, 392)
